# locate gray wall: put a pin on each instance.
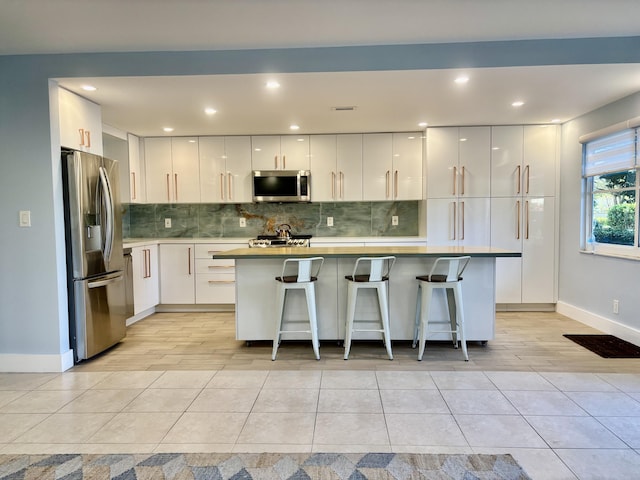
(591, 282)
(33, 318)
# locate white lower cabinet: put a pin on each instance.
(458, 222)
(177, 273)
(146, 293)
(215, 279)
(526, 225)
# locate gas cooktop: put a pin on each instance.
(294, 240)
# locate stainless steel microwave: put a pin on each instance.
(281, 186)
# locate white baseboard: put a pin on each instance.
(25, 363)
(599, 322)
(140, 316)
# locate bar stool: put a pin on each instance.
(298, 273)
(369, 272)
(451, 282)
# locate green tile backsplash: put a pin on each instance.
(212, 220)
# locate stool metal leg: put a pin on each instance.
(352, 293)
(383, 301)
(460, 320)
(452, 308)
(424, 319)
(313, 320)
(276, 339)
(416, 327)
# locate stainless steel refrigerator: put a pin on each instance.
(93, 229)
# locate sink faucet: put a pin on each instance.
(283, 230)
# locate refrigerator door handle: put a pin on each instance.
(104, 281)
(107, 198)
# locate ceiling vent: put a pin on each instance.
(347, 108)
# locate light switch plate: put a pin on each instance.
(167, 223)
(243, 222)
(25, 218)
(394, 220)
(329, 221)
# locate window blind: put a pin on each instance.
(613, 153)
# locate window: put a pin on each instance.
(609, 174)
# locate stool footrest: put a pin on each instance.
(367, 330)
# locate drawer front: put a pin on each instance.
(214, 266)
(208, 250)
(215, 288)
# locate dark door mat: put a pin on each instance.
(607, 346)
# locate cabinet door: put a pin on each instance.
(474, 216)
(506, 161)
(323, 168)
(80, 123)
(177, 274)
(539, 163)
(238, 169)
(265, 153)
(186, 169)
(158, 170)
(442, 220)
(506, 233)
(538, 250)
(136, 171)
(376, 166)
(407, 166)
(474, 168)
(146, 292)
(294, 150)
(349, 167)
(212, 169)
(442, 162)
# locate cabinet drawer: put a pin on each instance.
(215, 288)
(214, 266)
(208, 250)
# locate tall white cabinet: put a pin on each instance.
(459, 186)
(523, 211)
(225, 169)
(336, 168)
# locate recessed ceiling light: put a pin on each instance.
(168, 129)
(517, 103)
(463, 139)
(423, 124)
(272, 84)
(556, 120)
(495, 148)
(257, 149)
(192, 141)
(294, 127)
(210, 111)
(461, 80)
(300, 139)
(89, 88)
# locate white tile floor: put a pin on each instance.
(557, 425)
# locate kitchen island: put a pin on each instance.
(256, 269)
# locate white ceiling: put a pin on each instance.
(385, 101)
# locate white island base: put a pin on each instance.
(256, 307)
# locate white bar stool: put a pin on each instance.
(446, 273)
(298, 273)
(369, 272)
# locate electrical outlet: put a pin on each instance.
(394, 220)
(167, 223)
(616, 305)
(25, 218)
(329, 221)
(243, 222)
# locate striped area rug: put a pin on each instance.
(260, 466)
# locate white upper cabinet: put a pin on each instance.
(80, 123)
(336, 168)
(506, 161)
(172, 170)
(539, 161)
(458, 162)
(287, 152)
(225, 169)
(137, 188)
(392, 166)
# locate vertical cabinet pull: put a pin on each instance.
(462, 183)
(168, 195)
(526, 225)
(333, 185)
(387, 175)
(342, 185)
(222, 186)
(175, 184)
(133, 182)
(519, 179)
(146, 263)
(81, 132)
(462, 221)
(284, 161)
(518, 220)
(395, 184)
(275, 161)
(189, 260)
(230, 185)
(87, 135)
(455, 205)
(527, 182)
(455, 178)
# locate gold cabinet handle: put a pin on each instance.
(342, 185)
(133, 182)
(81, 132)
(387, 179)
(526, 231)
(214, 267)
(454, 219)
(333, 185)
(175, 183)
(230, 184)
(455, 179)
(189, 260)
(518, 220)
(275, 161)
(462, 182)
(462, 221)
(519, 180)
(284, 161)
(87, 135)
(222, 186)
(527, 182)
(168, 195)
(395, 184)
(222, 281)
